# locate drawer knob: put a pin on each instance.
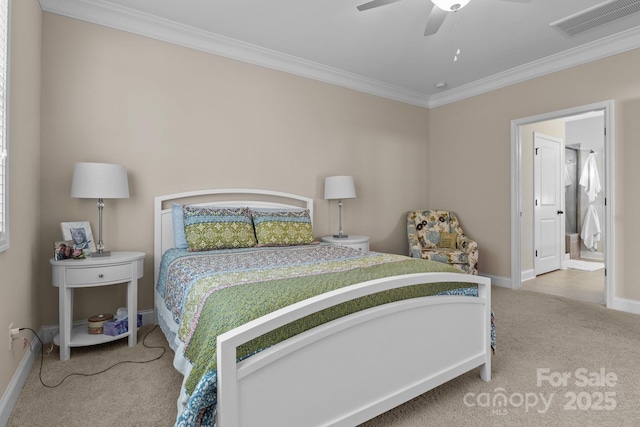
(101, 275)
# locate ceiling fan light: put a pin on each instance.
(450, 5)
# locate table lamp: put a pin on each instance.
(339, 187)
(99, 181)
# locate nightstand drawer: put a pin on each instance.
(356, 242)
(103, 274)
(363, 247)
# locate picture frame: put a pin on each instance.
(80, 234)
(62, 249)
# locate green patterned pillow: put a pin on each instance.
(218, 228)
(282, 227)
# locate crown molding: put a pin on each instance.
(121, 18)
(132, 21)
(602, 48)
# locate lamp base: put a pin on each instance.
(100, 254)
(341, 236)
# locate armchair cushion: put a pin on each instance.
(437, 235)
(448, 256)
(448, 240)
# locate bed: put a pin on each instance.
(310, 333)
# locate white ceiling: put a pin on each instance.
(380, 51)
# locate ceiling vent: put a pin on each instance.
(596, 16)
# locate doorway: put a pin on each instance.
(523, 200)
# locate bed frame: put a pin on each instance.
(351, 369)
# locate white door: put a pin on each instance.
(548, 212)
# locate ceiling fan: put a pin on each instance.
(439, 10)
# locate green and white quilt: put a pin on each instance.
(209, 293)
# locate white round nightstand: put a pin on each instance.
(356, 242)
(67, 275)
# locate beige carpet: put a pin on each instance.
(535, 332)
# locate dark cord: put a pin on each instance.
(164, 350)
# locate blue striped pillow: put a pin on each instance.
(218, 228)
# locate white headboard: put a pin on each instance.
(253, 198)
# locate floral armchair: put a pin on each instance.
(436, 235)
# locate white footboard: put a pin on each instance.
(359, 366)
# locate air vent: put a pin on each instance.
(596, 16)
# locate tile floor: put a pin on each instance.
(576, 284)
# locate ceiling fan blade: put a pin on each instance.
(375, 3)
(435, 20)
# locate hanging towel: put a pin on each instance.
(567, 176)
(589, 178)
(591, 229)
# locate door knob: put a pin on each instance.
(560, 212)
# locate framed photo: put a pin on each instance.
(80, 235)
(62, 249)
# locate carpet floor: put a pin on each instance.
(558, 362)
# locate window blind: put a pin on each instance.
(4, 149)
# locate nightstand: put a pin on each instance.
(67, 275)
(356, 242)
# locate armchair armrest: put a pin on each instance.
(466, 244)
(415, 248)
(471, 248)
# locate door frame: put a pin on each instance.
(516, 190)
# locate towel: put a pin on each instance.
(567, 176)
(590, 179)
(591, 229)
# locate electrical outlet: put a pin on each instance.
(10, 336)
(14, 333)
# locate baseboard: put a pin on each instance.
(10, 396)
(527, 275)
(503, 282)
(46, 334)
(592, 255)
(628, 305)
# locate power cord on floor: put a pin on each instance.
(164, 350)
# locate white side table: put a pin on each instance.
(119, 267)
(356, 242)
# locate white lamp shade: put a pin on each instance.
(339, 187)
(450, 5)
(99, 181)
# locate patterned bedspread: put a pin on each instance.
(209, 293)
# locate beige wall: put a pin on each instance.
(180, 120)
(21, 264)
(470, 146)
